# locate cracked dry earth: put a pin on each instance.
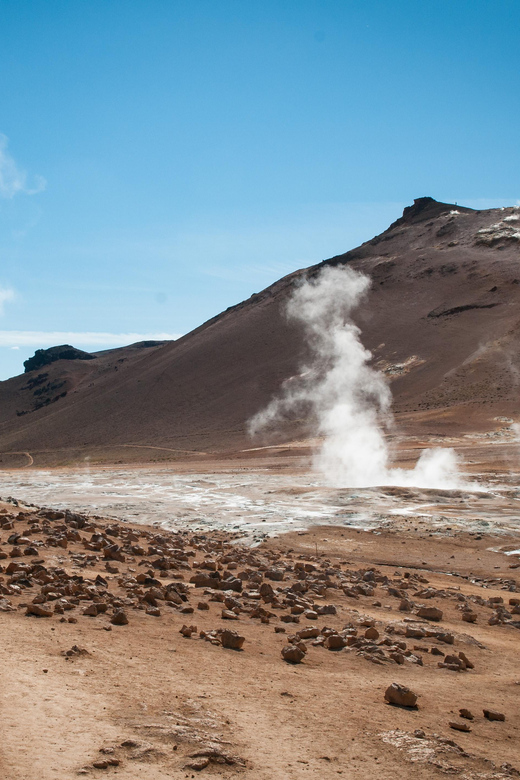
(113, 660)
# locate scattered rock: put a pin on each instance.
(494, 715)
(292, 654)
(400, 695)
(335, 642)
(39, 610)
(119, 619)
(197, 764)
(457, 726)
(430, 613)
(231, 640)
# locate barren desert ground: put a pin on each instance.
(217, 568)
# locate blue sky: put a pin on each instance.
(162, 160)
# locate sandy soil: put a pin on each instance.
(250, 713)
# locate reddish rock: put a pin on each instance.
(292, 654)
(400, 695)
(231, 640)
(458, 726)
(119, 618)
(335, 642)
(494, 715)
(39, 610)
(430, 613)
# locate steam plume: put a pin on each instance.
(346, 399)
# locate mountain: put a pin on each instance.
(442, 320)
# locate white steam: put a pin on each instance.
(345, 399)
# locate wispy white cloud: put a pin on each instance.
(41, 339)
(12, 178)
(5, 295)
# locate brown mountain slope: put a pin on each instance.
(442, 319)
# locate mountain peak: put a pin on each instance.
(427, 208)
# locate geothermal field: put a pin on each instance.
(286, 545)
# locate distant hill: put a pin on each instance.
(442, 320)
(44, 357)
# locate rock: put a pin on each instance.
(75, 650)
(493, 715)
(309, 633)
(372, 633)
(266, 591)
(102, 764)
(430, 613)
(119, 618)
(453, 662)
(289, 618)
(455, 724)
(202, 580)
(464, 657)
(400, 695)
(227, 614)
(232, 640)
(335, 642)
(469, 617)
(233, 583)
(91, 611)
(202, 605)
(442, 636)
(414, 632)
(197, 764)
(327, 609)
(187, 631)
(292, 654)
(464, 713)
(276, 575)
(212, 751)
(39, 610)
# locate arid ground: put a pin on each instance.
(162, 697)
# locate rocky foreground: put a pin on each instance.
(152, 654)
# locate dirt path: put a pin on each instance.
(30, 459)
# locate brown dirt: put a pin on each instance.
(173, 696)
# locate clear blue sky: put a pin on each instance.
(161, 160)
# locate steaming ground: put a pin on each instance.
(345, 399)
(256, 502)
